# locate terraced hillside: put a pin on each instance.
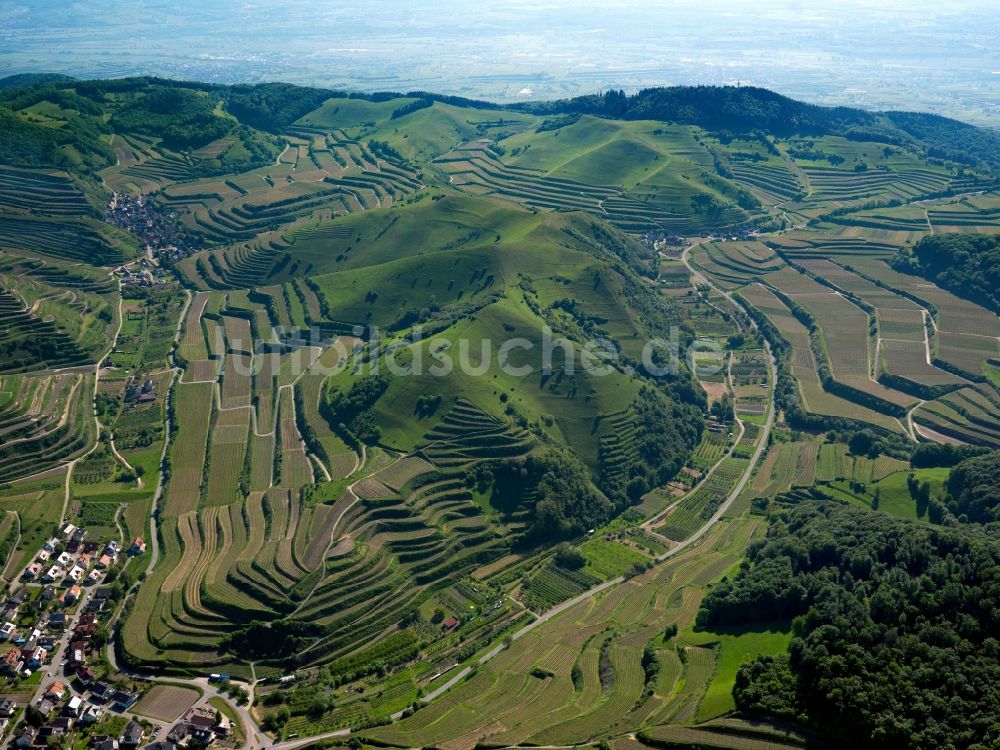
(244, 205)
(56, 315)
(268, 425)
(386, 542)
(527, 693)
(968, 415)
(884, 340)
(41, 192)
(30, 342)
(74, 241)
(474, 167)
(45, 421)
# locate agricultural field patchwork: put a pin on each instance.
(329, 360)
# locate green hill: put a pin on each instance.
(744, 109)
(471, 293)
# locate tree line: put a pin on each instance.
(896, 639)
(966, 264)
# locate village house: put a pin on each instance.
(50, 735)
(91, 714)
(200, 725)
(56, 691)
(178, 733)
(223, 727)
(73, 706)
(100, 691)
(85, 675)
(37, 658)
(132, 736)
(72, 594)
(11, 662)
(124, 699)
(27, 737)
(63, 723)
(7, 631)
(202, 729)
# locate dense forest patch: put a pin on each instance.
(895, 628)
(967, 264)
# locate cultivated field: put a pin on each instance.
(166, 702)
(320, 510)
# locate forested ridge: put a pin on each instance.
(748, 108)
(896, 628)
(271, 106)
(974, 487)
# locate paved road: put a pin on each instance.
(154, 540)
(53, 672)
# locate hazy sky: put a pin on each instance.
(941, 56)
